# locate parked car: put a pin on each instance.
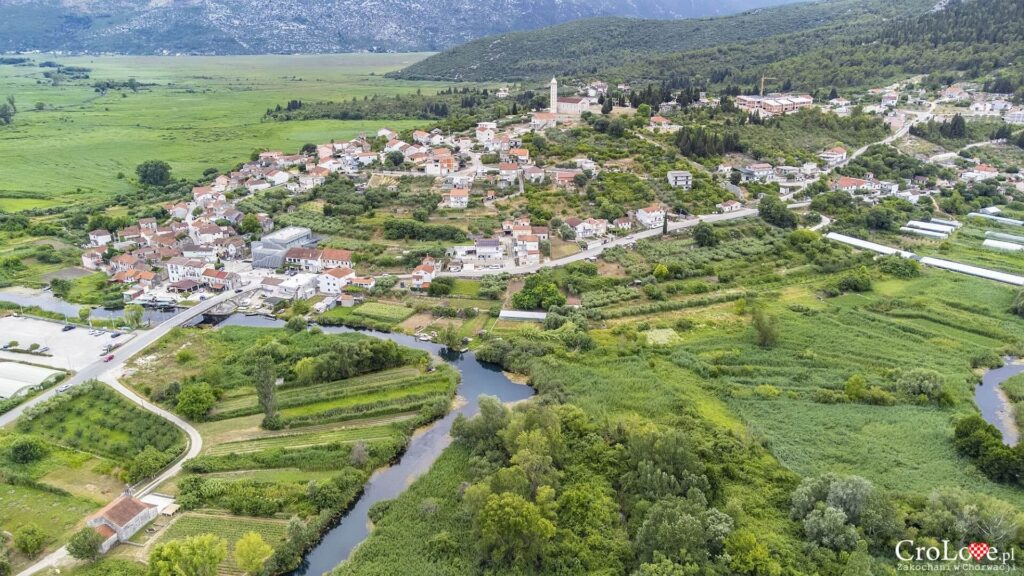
(115, 335)
(238, 290)
(108, 357)
(43, 350)
(67, 328)
(63, 388)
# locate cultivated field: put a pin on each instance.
(193, 112)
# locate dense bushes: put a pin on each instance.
(983, 443)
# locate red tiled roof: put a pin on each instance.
(122, 511)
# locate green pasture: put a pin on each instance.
(195, 112)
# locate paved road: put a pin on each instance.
(598, 250)
(108, 372)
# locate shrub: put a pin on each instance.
(25, 450)
(29, 539)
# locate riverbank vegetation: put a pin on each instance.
(855, 392)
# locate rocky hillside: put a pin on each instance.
(304, 26)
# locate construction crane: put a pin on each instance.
(763, 78)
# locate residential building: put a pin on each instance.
(100, 237)
(121, 519)
(652, 216)
(334, 280)
(729, 206)
(458, 198)
(422, 275)
(181, 268)
(680, 179)
(834, 156)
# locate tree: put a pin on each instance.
(616, 128)
(643, 110)
(748, 555)
(774, 211)
(441, 286)
(827, 527)
(83, 313)
(307, 370)
(133, 315)
(195, 400)
(250, 224)
(449, 336)
(25, 450)
(265, 381)
(704, 235)
(606, 107)
(154, 173)
(296, 324)
(767, 332)
(146, 464)
(251, 552)
(29, 539)
(512, 530)
(194, 556)
(85, 544)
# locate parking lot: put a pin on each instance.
(69, 350)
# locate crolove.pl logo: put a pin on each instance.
(975, 557)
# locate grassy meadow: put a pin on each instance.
(195, 112)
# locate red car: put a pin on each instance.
(108, 357)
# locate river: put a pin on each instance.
(47, 301)
(478, 378)
(995, 407)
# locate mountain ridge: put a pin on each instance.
(299, 26)
(585, 46)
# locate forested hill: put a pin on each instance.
(301, 26)
(967, 39)
(587, 46)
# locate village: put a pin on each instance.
(207, 245)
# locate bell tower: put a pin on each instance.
(554, 96)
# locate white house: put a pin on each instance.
(121, 519)
(278, 177)
(334, 280)
(680, 179)
(729, 206)
(979, 173)
(652, 216)
(181, 268)
(834, 156)
(422, 275)
(489, 249)
(100, 237)
(458, 198)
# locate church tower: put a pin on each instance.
(554, 96)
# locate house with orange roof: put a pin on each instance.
(121, 519)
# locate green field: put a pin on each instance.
(194, 112)
(676, 354)
(337, 424)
